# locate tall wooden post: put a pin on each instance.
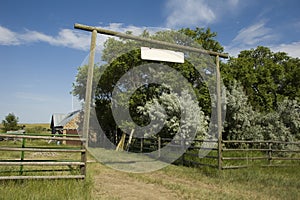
(219, 112)
(88, 92)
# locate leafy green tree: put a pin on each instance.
(79, 86)
(205, 38)
(267, 77)
(10, 123)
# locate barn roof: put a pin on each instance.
(68, 118)
(60, 120)
(56, 119)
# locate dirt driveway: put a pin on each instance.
(112, 184)
(167, 184)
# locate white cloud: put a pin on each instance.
(75, 39)
(8, 37)
(189, 12)
(254, 34)
(293, 49)
(257, 34)
(66, 37)
(197, 12)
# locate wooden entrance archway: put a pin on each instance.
(88, 95)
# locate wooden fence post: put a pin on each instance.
(22, 155)
(159, 146)
(142, 145)
(219, 112)
(83, 159)
(270, 152)
(183, 146)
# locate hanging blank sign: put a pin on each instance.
(162, 55)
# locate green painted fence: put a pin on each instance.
(40, 160)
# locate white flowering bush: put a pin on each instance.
(243, 123)
(168, 109)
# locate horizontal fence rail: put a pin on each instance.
(32, 156)
(63, 137)
(190, 158)
(235, 153)
(240, 153)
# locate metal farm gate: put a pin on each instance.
(30, 156)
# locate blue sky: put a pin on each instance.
(40, 50)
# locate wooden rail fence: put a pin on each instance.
(234, 153)
(36, 159)
(240, 154)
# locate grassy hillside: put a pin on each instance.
(44, 125)
(33, 128)
(37, 128)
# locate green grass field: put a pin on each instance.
(172, 182)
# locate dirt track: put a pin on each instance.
(111, 184)
(162, 184)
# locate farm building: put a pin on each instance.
(65, 124)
